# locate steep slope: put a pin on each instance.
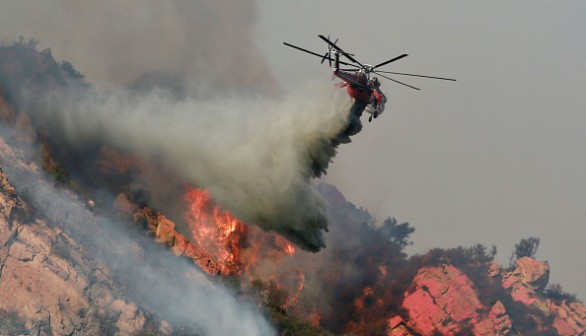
(49, 284)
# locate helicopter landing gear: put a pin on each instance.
(373, 115)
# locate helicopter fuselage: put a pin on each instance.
(356, 85)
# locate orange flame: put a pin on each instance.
(222, 236)
(289, 249)
(315, 319)
(238, 248)
(217, 232)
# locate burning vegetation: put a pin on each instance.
(365, 284)
(215, 231)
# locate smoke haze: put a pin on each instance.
(206, 46)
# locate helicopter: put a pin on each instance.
(361, 85)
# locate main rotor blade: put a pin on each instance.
(299, 48)
(315, 54)
(348, 56)
(389, 61)
(396, 81)
(406, 74)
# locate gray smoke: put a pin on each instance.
(182, 296)
(256, 156)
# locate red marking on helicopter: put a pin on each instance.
(360, 85)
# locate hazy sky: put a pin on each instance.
(495, 157)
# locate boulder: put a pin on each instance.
(529, 273)
(398, 327)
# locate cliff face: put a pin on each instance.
(47, 283)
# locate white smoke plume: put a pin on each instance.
(155, 278)
(255, 156)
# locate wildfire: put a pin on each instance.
(315, 319)
(241, 249)
(236, 246)
(216, 231)
(289, 249)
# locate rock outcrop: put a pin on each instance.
(496, 323)
(443, 301)
(527, 283)
(527, 280)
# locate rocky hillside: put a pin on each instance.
(48, 284)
